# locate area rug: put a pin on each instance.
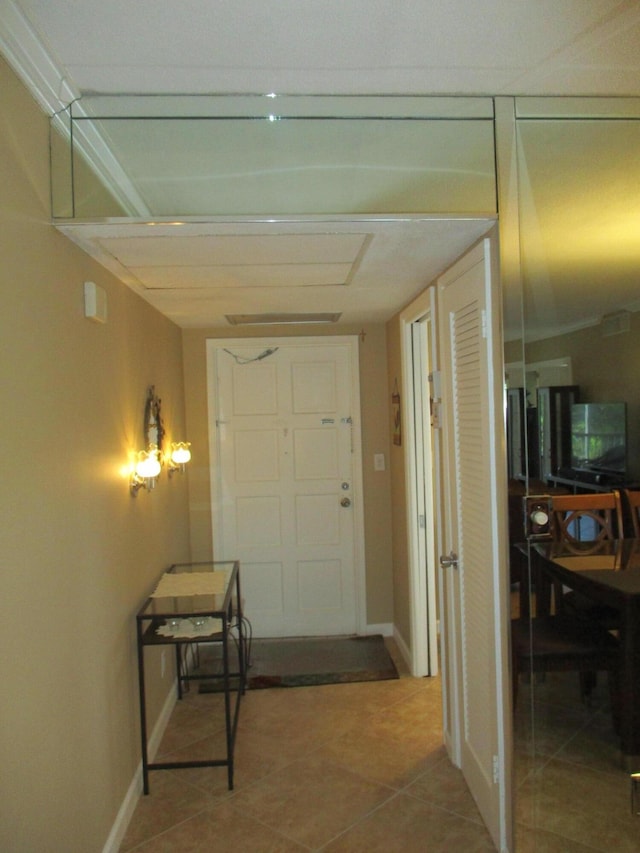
(317, 660)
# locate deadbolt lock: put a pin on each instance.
(450, 561)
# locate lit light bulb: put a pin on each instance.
(148, 465)
(180, 453)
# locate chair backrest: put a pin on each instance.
(633, 502)
(590, 517)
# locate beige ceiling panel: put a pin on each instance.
(193, 309)
(399, 258)
(229, 250)
(254, 275)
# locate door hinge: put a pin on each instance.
(422, 522)
(434, 378)
(496, 770)
(483, 317)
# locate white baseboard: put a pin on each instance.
(125, 813)
(162, 722)
(403, 648)
(384, 628)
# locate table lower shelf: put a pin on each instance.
(230, 683)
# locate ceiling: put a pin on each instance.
(342, 46)
(363, 268)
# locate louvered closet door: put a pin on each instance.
(475, 622)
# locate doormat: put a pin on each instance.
(317, 660)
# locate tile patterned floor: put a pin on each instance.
(361, 767)
(572, 793)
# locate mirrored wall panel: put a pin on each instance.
(574, 408)
(181, 157)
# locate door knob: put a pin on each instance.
(345, 502)
(450, 561)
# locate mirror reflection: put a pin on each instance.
(573, 385)
(153, 425)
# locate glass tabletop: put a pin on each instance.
(191, 589)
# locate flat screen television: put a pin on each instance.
(599, 437)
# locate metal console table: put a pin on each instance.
(195, 603)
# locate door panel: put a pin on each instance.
(315, 454)
(317, 520)
(254, 389)
(258, 522)
(475, 630)
(256, 456)
(314, 387)
(319, 585)
(284, 474)
(263, 582)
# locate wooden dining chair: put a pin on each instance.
(584, 518)
(632, 500)
(592, 516)
(576, 637)
(561, 643)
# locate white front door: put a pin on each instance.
(285, 447)
(475, 617)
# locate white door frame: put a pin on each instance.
(357, 493)
(420, 474)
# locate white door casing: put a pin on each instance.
(418, 354)
(475, 617)
(286, 480)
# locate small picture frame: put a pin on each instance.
(395, 411)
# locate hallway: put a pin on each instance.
(343, 767)
(361, 767)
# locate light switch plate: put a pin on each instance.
(95, 302)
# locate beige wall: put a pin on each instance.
(375, 439)
(78, 553)
(607, 369)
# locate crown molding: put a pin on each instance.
(24, 51)
(45, 79)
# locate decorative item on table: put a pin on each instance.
(190, 627)
(395, 411)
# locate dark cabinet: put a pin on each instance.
(539, 437)
(554, 428)
(516, 434)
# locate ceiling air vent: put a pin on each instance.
(278, 319)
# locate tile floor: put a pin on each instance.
(572, 794)
(361, 767)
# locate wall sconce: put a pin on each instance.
(180, 455)
(146, 470)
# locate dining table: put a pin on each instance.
(608, 573)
